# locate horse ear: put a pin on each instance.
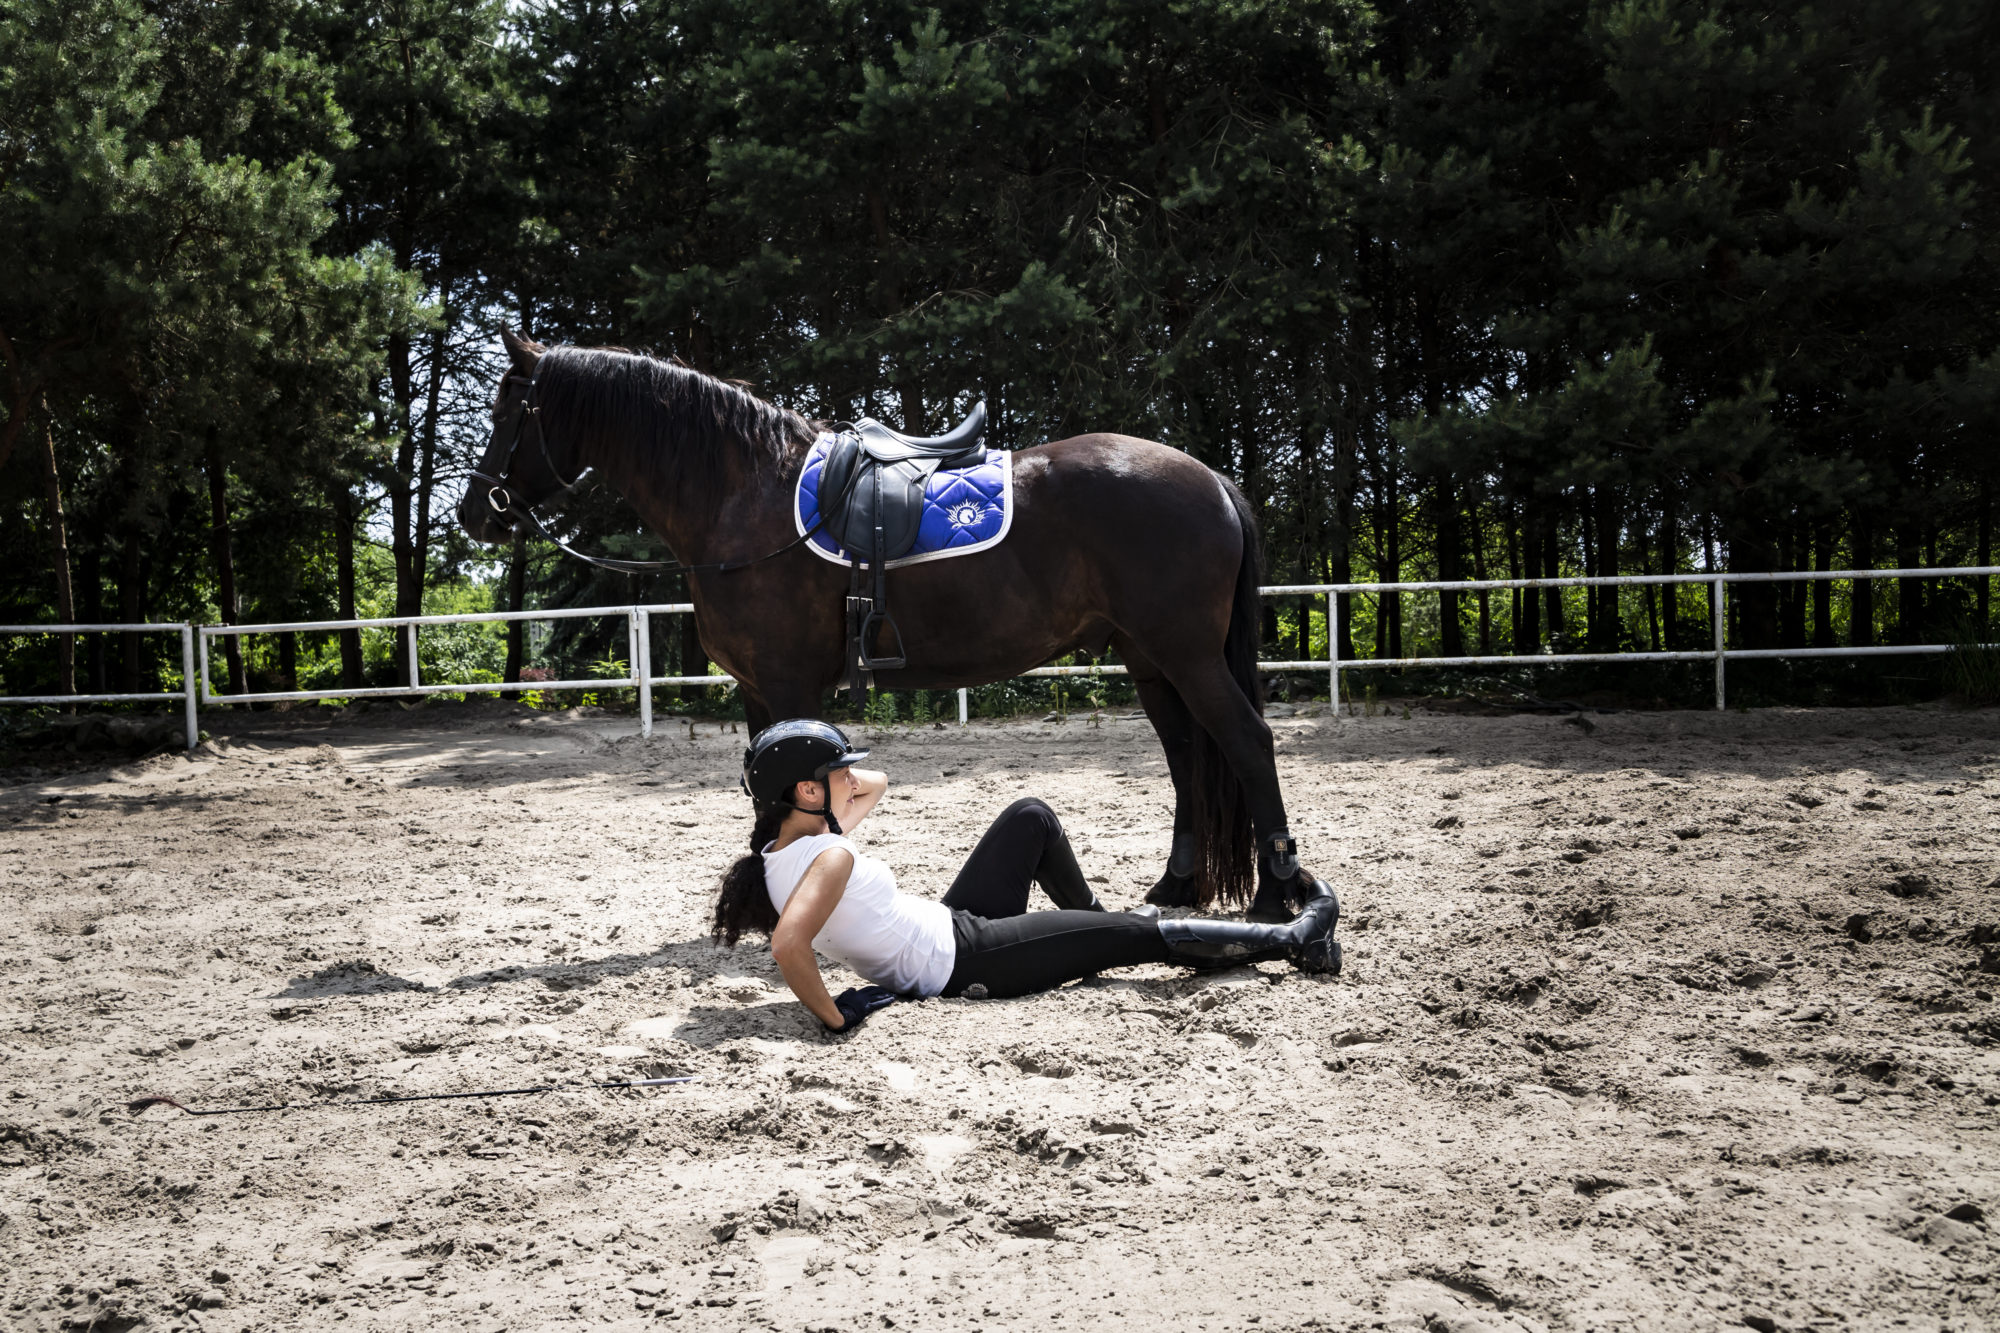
(523, 353)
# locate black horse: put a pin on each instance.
(1116, 543)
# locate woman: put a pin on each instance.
(806, 886)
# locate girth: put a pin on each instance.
(871, 498)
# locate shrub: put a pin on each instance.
(1972, 667)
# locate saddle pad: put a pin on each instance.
(965, 510)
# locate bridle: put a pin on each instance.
(500, 495)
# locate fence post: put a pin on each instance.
(188, 684)
(1333, 652)
(1721, 622)
(201, 651)
(410, 640)
(642, 667)
(961, 706)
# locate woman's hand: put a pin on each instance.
(857, 1002)
(805, 915)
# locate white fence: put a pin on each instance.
(195, 643)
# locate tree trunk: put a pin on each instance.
(1341, 565)
(1552, 569)
(58, 555)
(343, 575)
(420, 535)
(1528, 610)
(1586, 529)
(1451, 568)
(131, 607)
(288, 659)
(1479, 576)
(1791, 596)
(1861, 607)
(402, 494)
(1751, 551)
(1610, 522)
(1391, 608)
(1982, 592)
(1670, 593)
(92, 579)
(517, 596)
(1909, 592)
(225, 564)
(1822, 589)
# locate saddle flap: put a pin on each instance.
(858, 494)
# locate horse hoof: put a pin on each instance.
(1273, 903)
(1172, 891)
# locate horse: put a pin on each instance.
(1116, 543)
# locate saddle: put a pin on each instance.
(872, 503)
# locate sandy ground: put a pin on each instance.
(1680, 1021)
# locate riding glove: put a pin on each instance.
(857, 1002)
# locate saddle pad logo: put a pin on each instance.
(964, 511)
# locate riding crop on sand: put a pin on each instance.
(140, 1105)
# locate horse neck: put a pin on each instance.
(703, 511)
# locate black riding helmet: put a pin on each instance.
(800, 750)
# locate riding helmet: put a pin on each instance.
(799, 750)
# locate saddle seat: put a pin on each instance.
(959, 447)
(871, 499)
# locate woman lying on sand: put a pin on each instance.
(808, 888)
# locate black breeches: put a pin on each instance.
(1012, 951)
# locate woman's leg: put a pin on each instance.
(1025, 845)
(1038, 951)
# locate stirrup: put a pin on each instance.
(867, 660)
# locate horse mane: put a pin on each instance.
(661, 421)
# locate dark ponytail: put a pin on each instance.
(745, 903)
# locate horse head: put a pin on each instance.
(521, 467)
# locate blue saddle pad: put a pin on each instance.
(965, 510)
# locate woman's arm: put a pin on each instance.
(805, 914)
(866, 790)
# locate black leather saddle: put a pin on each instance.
(871, 496)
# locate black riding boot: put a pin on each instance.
(1281, 885)
(1062, 878)
(1176, 886)
(1306, 941)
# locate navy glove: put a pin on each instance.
(857, 1002)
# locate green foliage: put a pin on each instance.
(1972, 667)
(1505, 287)
(880, 711)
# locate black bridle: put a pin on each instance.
(500, 495)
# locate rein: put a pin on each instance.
(501, 497)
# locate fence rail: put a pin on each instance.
(196, 689)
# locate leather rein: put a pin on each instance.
(510, 510)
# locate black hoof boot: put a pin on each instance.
(1273, 901)
(1282, 887)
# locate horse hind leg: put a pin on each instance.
(1247, 793)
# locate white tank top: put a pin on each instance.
(891, 938)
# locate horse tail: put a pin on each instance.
(1224, 844)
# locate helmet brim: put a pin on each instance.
(848, 760)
